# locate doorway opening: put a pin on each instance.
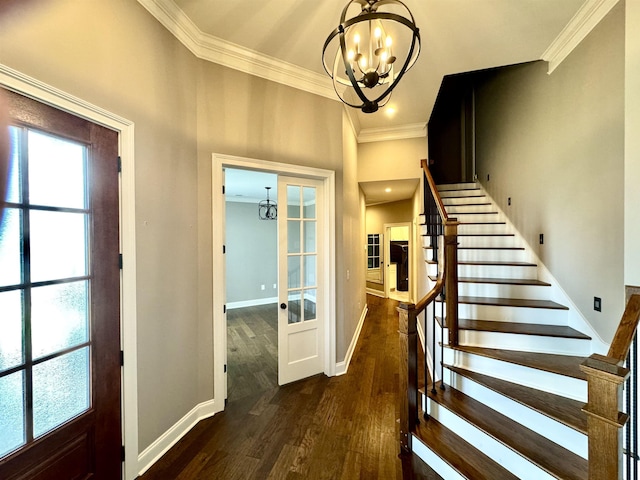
(306, 199)
(398, 255)
(251, 276)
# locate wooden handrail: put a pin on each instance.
(626, 330)
(408, 315)
(605, 378)
(434, 190)
(433, 293)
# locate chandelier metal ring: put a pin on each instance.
(372, 77)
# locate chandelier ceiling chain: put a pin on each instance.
(267, 209)
(365, 61)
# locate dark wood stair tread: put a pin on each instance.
(512, 302)
(459, 454)
(444, 197)
(492, 263)
(556, 331)
(483, 248)
(469, 213)
(564, 410)
(548, 455)
(480, 223)
(486, 235)
(566, 365)
(500, 281)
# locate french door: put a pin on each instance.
(60, 376)
(301, 319)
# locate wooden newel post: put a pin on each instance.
(451, 275)
(604, 417)
(408, 331)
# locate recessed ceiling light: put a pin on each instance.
(387, 189)
(390, 111)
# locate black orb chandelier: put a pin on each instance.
(364, 63)
(267, 209)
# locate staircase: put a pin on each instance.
(513, 390)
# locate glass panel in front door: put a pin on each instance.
(45, 346)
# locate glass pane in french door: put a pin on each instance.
(45, 345)
(301, 251)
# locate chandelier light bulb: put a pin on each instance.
(370, 71)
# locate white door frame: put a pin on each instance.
(220, 161)
(387, 253)
(37, 90)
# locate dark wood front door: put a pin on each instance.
(60, 374)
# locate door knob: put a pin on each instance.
(283, 306)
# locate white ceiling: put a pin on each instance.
(457, 36)
(282, 40)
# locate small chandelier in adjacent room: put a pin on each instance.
(375, 48)
(267, 210)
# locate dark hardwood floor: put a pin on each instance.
(252, 350)
(319, 428)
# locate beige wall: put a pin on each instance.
(555, 145)
(391, 160)
(632, 145)
(117, 56)
(352, 297)
(394, 212)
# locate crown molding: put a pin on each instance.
(585, 20)
(413, 130)
(231, 55)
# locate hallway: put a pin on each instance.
(319, 428)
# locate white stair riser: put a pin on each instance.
(481, 228)
(529, 377)
(544, 316)
(441, 467)
(549, 428)
(490, 271)
(501, 454)
(477, 255)
(477, 218)
(482, 208)
(487, 241)
(488, 255)
(459, 193)
(498, 271)
(456, 186)
(492, 290)
(525, 343)
(447, 202)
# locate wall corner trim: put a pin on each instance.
(168, 439)
(231, 55)
(582, 23)
(342, 367)
(412, 130)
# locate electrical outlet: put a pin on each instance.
(261, 287)
(541, 238)
(509, 201)
(487, 177)
(597, 304)
(275, 286)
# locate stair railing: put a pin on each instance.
(441, 229)
(612, 378)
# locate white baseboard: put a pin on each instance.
(342, 367)
(377, 293)
(251, 303)
(169, 438)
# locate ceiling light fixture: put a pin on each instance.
(267, 210)
(365, 56)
